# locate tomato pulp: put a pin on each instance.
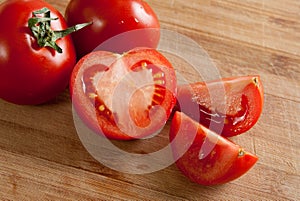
(205, 157)
(126, 96)
(133, 19)
(230, 106)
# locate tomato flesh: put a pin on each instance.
(230, 106)
(205, 157)
(130, 96)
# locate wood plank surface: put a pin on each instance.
(42, 157)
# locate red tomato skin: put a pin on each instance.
(111, 18)
(243, 103)
(30, 74)
(223, 163)
(102, 125)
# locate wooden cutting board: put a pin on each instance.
(42, 157)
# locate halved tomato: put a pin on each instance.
(126, 96)
(230, 106)
(204, 156)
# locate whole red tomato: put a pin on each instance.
(30, 74)
(133, 19)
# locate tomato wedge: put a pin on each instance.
(126, 96)
(230, 106)
(204, 156)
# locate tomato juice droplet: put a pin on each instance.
(241, 115)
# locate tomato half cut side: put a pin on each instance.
(129, 97)
(229, 106)
(210, 159)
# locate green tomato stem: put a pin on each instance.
(40, 27)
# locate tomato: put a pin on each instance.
(134, 18)
(230, 106)
(204, 156)
(126, 96)
(30, 74)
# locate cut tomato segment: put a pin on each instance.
(125, 96)
(230, 106)
(205, 157)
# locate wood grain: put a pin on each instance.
(42, 157)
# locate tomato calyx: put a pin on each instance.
(40, 26)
